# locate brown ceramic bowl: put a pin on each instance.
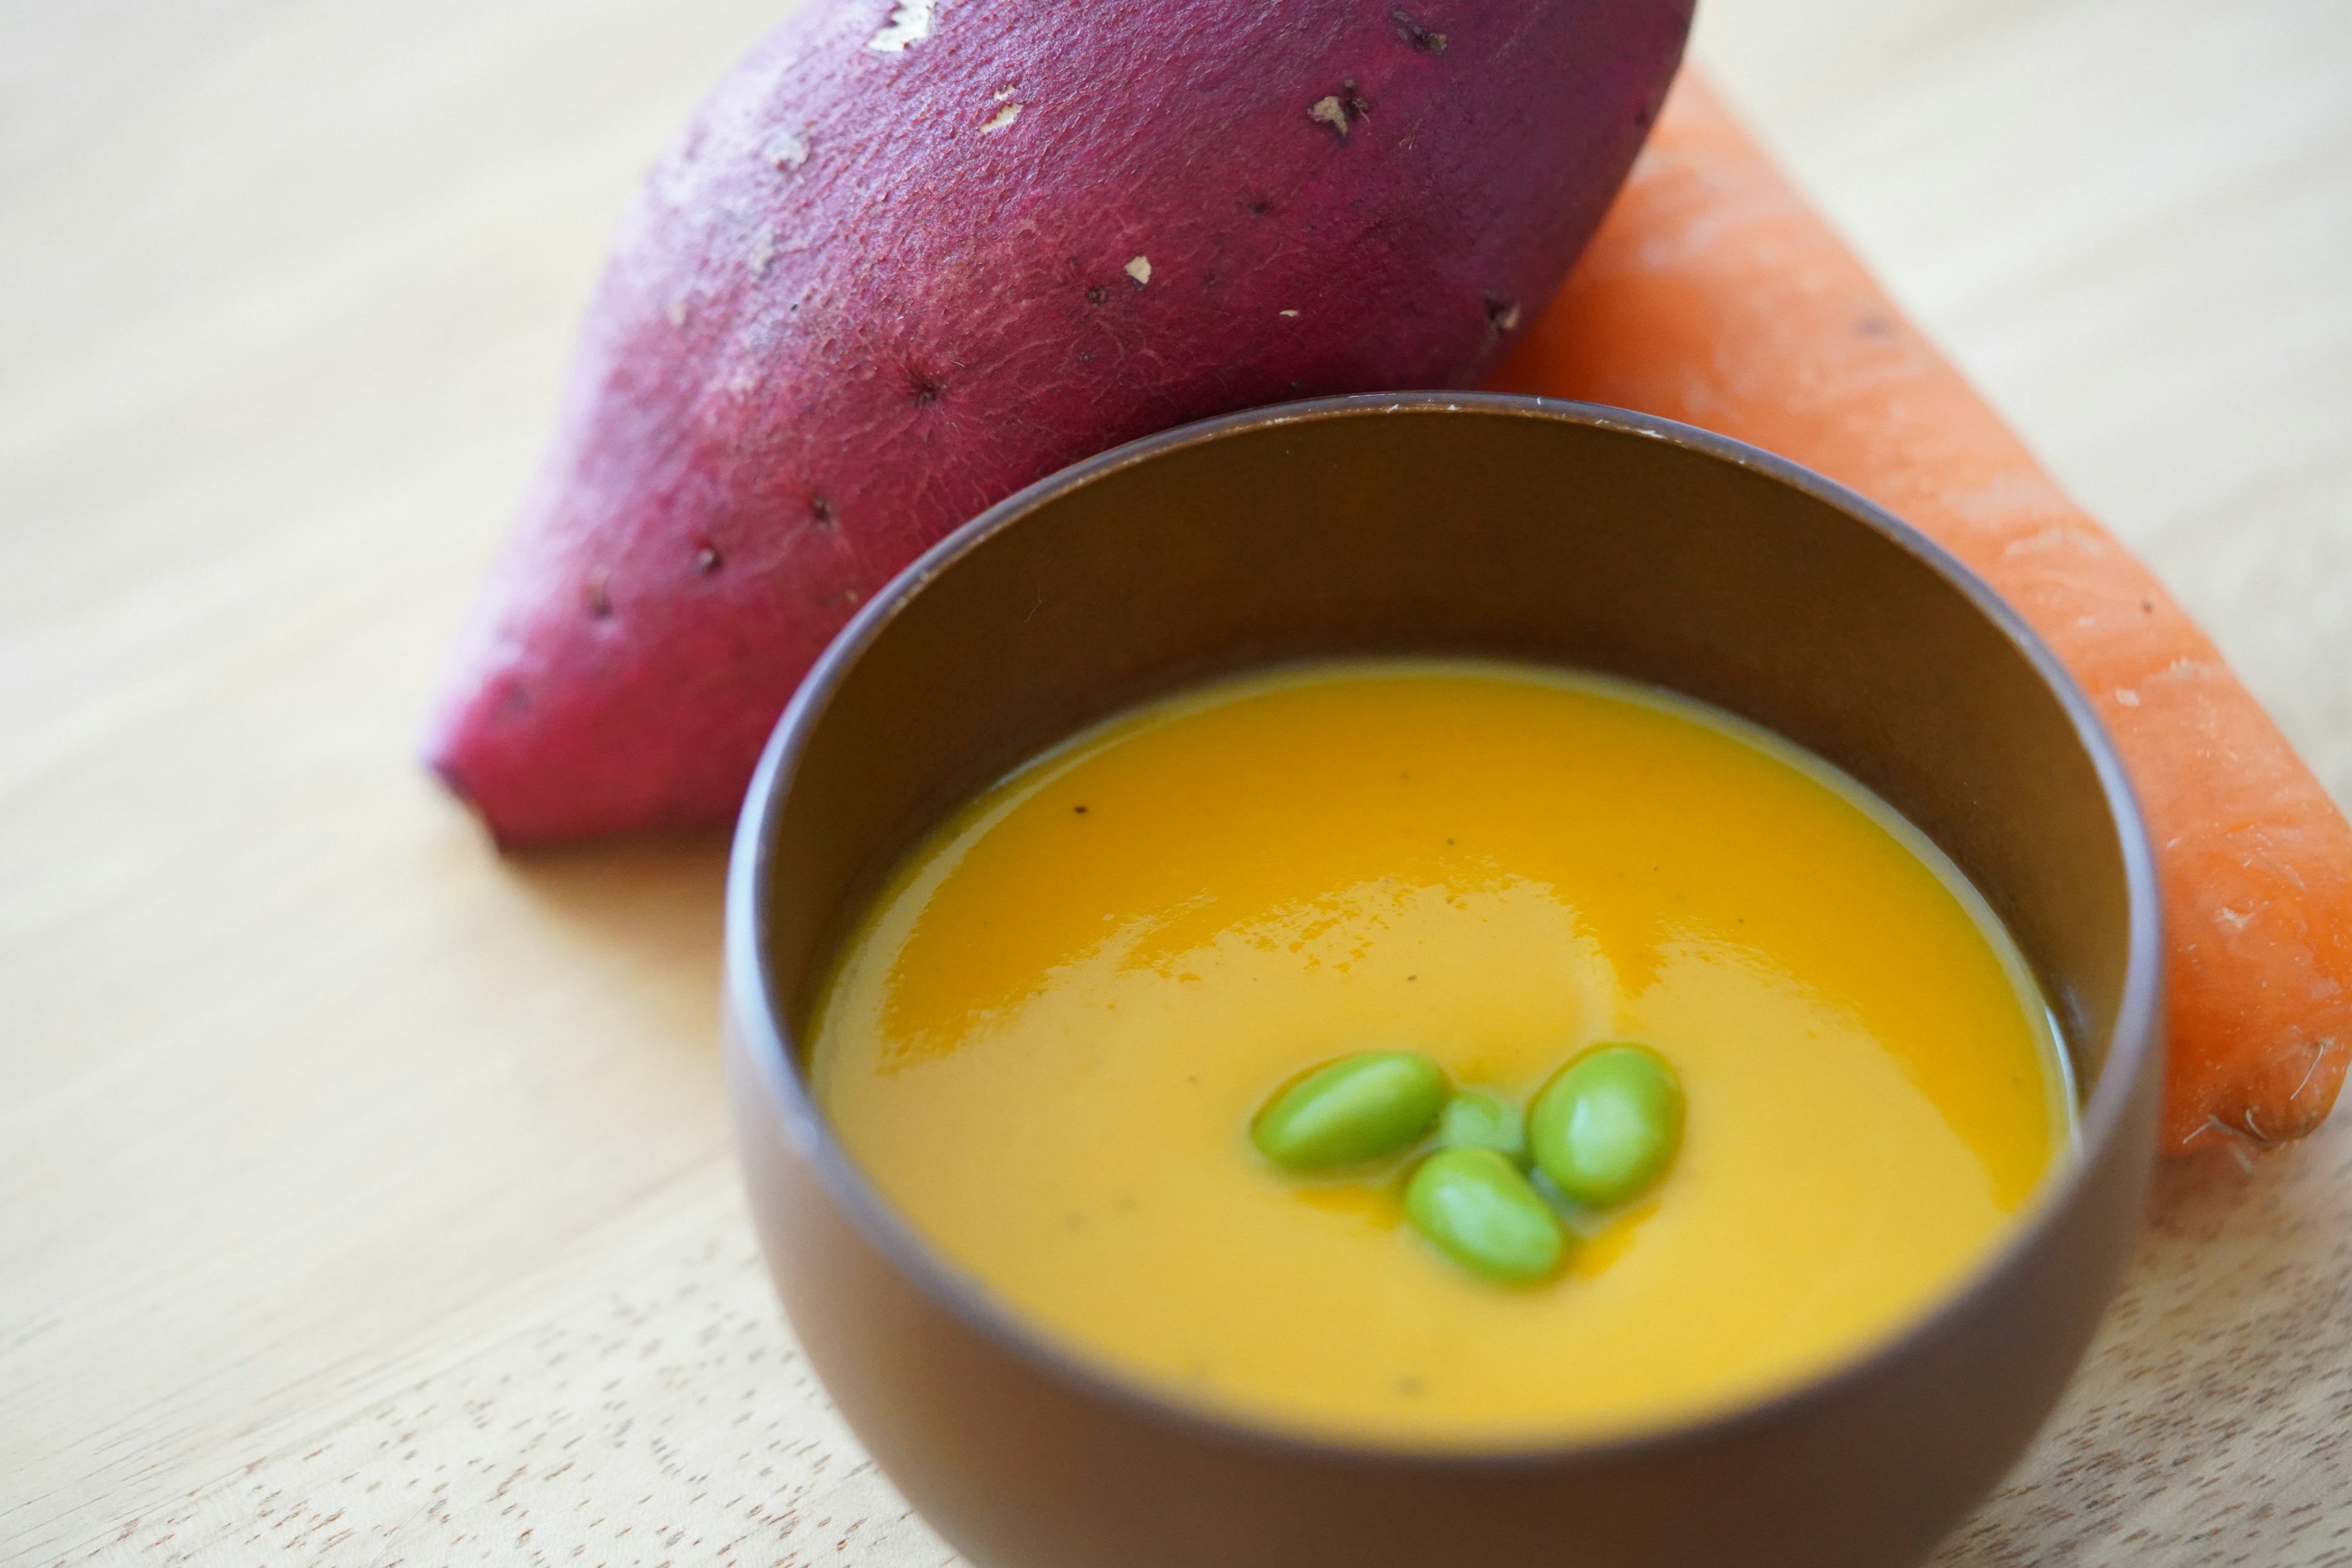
(1552, 531)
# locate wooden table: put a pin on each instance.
(364, 1199)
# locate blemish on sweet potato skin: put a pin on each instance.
(786, 150)
(909, 23)
(834, 203)
(1413, 33)
(1340, 110)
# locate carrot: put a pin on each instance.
(1714, 295)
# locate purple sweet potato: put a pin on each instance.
(909, 259)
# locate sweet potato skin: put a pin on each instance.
(1715, 294)
(906, 260)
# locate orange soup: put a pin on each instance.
(1048, 1039)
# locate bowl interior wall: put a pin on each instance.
(1502, 533)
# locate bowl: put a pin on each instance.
(1434, 524)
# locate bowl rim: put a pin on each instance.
(2134, 1047)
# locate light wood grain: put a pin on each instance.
(365, 1199)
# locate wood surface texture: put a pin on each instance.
(365, 1198)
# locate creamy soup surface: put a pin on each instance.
(1046, 1039)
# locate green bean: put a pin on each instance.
(1477, 1119)
(1359, 1108)
(1608, 1124)
(1477, 1209)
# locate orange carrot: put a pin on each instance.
(1714, 295)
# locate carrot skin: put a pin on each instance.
(1713, 294)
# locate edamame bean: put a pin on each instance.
(1475, 1119)
(1608, 1124)
(1359, 1109)
(1477, 1209)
